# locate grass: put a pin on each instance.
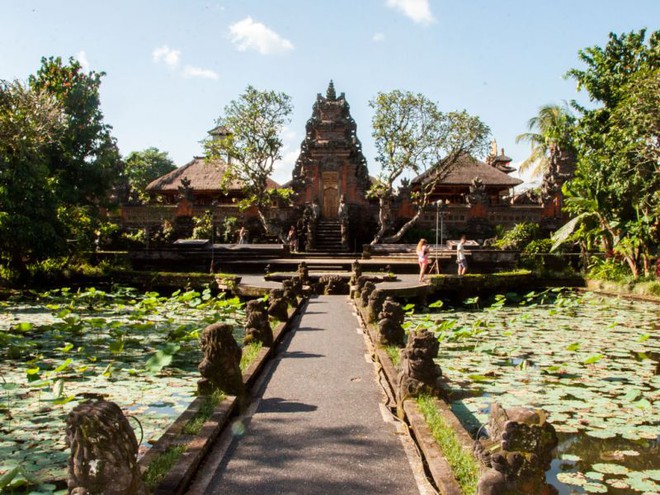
(194, 424)
(463, 464)
(393, 352)
(250, 353)
(161, 465)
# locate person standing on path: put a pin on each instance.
(461, 259)
(422, 257)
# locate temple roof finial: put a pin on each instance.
(330, 94)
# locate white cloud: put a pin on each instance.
(417, 10)
(378, 37)
(166, 54)
(190, 71)
(248, 34)
(82, 58)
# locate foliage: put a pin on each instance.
(615, 190)
(554, 134)
(413, 136)
(556, 350)
(601, 268)
(203, 226)
(518, 236)
(139, 350)
(30, 120)
(228, 232)
(463, 464)
(55, 183)
(252, 144)
(141, 168)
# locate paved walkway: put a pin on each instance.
(317, 425)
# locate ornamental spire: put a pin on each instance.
(330, 94)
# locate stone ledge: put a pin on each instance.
(177, 480)
(438, 467)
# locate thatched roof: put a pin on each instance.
(466, 169)
(204, 175)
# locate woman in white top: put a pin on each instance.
(460, 256)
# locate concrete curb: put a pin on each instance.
(438, 468)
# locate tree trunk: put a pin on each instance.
(270, 228)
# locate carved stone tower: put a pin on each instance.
(331, 164)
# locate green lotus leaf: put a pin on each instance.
(576, 479)
(594, 488)
(610, 468)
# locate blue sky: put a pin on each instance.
(172, 66)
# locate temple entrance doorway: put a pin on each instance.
(330, 202)
(330, 194)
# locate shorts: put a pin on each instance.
(462, 263)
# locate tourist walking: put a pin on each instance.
(461, 259)
(242, 236)
(292, 237)
(422, 257)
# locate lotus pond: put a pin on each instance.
(63, 347)
(591, 362)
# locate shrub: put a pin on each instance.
(518, 236)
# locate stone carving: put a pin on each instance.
(333, 285)
(561, 168)
(375, 304)
(257, 328)
(303, 272)
(366, 291)
(477, 193)
(103, 451)
(220, 366)
(289, 289)
(356, 268)
(518, 452)
(278, 307)
(419, 373)
(390, 321)
(267, 269)
(344, 217)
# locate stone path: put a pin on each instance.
(317, 424)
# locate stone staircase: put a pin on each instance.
(328, 236)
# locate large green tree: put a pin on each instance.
(413, 136)
(72, 169)
(618, 174)
(251, 145)
(141, 168)
(30, 121)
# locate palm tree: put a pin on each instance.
(550, 136)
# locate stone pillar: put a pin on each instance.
(278, 308)
(103, 451)
(419, 373)
(303, 273)
(366, 291)
(375, 304)
(356, 268)
(390, 321)
(257, 327)
(221, 365)
(517, 452)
